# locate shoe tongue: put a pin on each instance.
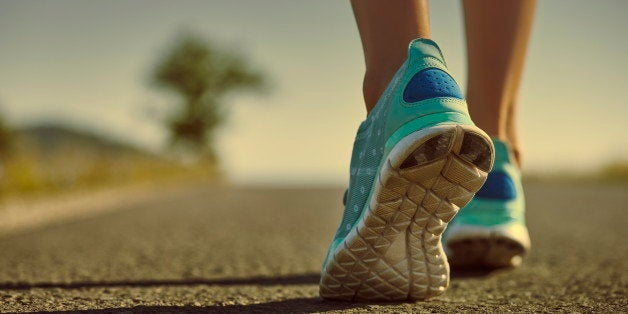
(422, 47)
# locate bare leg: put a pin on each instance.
(497, 39)
(386, 28)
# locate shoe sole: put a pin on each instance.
(487, 248)
(394, 252)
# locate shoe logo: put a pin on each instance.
(431, 83)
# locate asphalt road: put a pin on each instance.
(217, 249)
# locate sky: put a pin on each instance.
(88, 64)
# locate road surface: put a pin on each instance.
(221, 249)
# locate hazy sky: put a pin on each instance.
(88, 63)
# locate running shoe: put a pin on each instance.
(417, 159)
(490, 232)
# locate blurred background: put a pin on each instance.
(191, 156)
(101, 93)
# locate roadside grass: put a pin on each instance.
(30, 172)
(51, 160)
(614, 172)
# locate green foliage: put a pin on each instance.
(53, 158)
(202, 75)
(5, 140)
(616, 171)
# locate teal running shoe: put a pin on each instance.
(490, 232)
(416, 160)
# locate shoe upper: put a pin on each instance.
(500, 201)
(422, 93)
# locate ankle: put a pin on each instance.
(516, 154)
(374, 85)
(513, 149)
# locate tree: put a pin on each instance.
(5, 139)
(202, 75)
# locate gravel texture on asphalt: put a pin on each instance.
(225, 249)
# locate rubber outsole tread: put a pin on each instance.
(394, 252)
(491, 252)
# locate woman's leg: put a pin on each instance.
(497, 39)
(386, 28)
(406, 160)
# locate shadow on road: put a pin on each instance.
(461, 273)
(262, 281)
(300, 305)
(302, 279)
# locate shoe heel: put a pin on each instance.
(394, 252)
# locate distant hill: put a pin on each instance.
(52, 157)
(51, 139)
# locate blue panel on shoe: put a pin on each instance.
(498, 186)
(431, 83)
